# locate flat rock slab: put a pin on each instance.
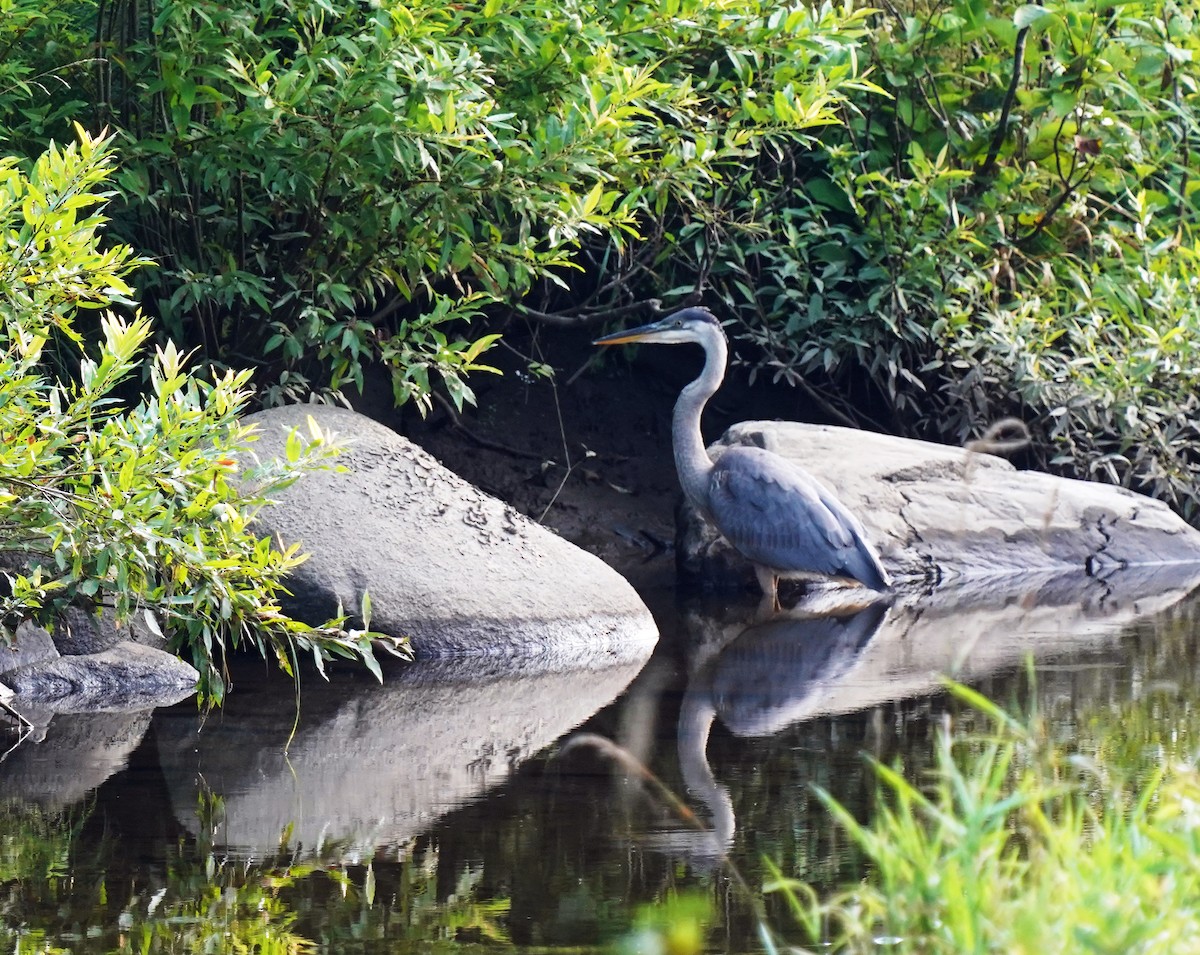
(453, 569)
(90, 664)
(941, 513)
(128, 676)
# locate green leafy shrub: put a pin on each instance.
(1010, 232)
(329, 183)
(127, 503)
(44, 62)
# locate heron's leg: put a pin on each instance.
(768, 580)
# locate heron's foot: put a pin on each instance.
(769, 606)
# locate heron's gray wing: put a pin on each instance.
(777, 515)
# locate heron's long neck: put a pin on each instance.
(696, 717)
(691, 458)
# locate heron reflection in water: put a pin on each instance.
(774, 513)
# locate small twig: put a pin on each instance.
(22, 736)
(1181, 212)
(15, 713)
(636, 769)
(562, 433)
(1059, 201)
(828, 407)
(591, 361)
(994, 442)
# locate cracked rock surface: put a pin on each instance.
(939, 513)
(447, 565)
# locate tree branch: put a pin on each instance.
(581, 318)
(989, 164)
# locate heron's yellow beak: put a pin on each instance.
(639, 334)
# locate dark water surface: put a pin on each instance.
(435, 811)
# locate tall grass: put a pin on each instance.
(1016, 845)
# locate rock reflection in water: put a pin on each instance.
(70, 754)
(372, 765)
(547, 854)
(760, 678)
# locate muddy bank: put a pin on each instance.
(588, 454)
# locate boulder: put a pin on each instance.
(453, 569)
(78, 632)
(128, 676)
(940, 513)
(32, 645)
(90, 664)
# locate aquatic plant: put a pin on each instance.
(1016, 844)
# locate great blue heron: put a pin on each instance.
(774, 513)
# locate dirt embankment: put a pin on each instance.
(588, 453)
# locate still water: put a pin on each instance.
(439, 810)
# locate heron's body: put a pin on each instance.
(774, 513)
(783, 520)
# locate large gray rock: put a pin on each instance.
(940, 513)
(446, 565)
(32, 645)
(78, 632)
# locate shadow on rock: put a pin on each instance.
(370, 764)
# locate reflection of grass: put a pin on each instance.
(34, 843)
(1016, 845)
(462, 917)
(57, 895)
(35, 846)
(225, 915)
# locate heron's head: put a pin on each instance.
(687, 325)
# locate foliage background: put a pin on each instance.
(925, 216)
(331, 182)
(1011, 232)
(133, 500)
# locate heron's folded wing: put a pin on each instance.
(777, 515)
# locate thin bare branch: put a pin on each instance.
(989, 164)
